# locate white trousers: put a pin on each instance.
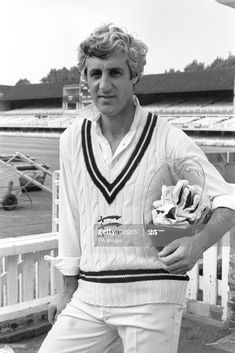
(83, 328)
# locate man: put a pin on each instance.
(119, 295)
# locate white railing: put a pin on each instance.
(24, 274)
(26, 279)
(55, 200)
(209, 277)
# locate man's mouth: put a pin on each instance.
(105, 96)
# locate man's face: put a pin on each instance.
(110, 85)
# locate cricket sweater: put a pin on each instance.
(97, 197)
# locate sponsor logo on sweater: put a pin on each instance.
(109, 231)
(109, 221)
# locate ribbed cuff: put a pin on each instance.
(68, 266)
(224, 201)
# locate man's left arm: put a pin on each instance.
(181, 255)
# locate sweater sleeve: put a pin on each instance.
(69, 253)
(179, 145)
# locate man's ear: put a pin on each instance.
(135, 80)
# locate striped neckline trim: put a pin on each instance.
(110, 190)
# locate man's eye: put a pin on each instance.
(95, 74)
(116, 73)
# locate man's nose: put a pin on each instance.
(105, 82)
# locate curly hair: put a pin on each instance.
(107, 38)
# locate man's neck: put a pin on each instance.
(114, 128)
(117, 126)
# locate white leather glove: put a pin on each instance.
(181, 204)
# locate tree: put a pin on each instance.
(194, 66)
(171, 71)
(22, 81)
(62, 75)
(220, 63)
(230, 62)
(74, 74)
(216, 64)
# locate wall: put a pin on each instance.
(4, 106)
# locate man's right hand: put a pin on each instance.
(58, 304)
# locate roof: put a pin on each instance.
(230, 3)
(35, 91)
(197, 81)
(4, 89)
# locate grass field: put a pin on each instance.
(30, 218)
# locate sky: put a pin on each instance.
(39, 35)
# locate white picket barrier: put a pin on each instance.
(55, 200)
(209, 277)
(24, 274)
(26, 280)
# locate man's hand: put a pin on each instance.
(58, 304)
(181, 255)
(55, 308)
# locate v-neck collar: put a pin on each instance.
(110, 157)
(111, 189)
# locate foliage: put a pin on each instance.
(171, 71)
(218, 64)
(22, 81)
(194, 66)
(62, 75)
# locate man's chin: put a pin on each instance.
(106, 110)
